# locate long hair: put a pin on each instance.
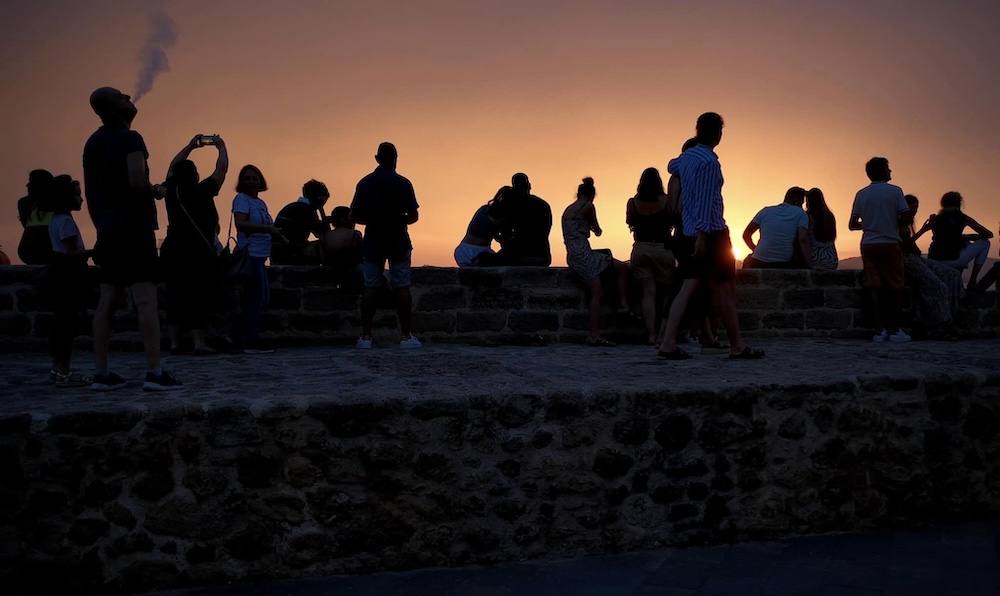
(951, 200)
(824, 222)
(61, 197)
(239, 182)
(650, 187)
(914, 203)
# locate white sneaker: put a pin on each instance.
(409, 343)
(899, 336)
(364, 343)
(881, 336)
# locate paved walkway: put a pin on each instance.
(956, 560)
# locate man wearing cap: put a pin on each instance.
(784, 230)
(384, 202)
(120, 199)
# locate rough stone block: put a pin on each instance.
(433, 321)
(32, 300)
(576, 320)
(497, 299)
(479, 278)
(846, 278)
(433, 276)
(533, 277)
(321, 323)
(784, 320)
(302, 277)
(980, 300)
(758, 298)
(842, 298)
(6, 302)
(524, 322)
(14, 325)
(828, 319)
(485, 321)
(785, 278)
(21, 274)
(749, 321)
(560, 299)
(748, 277)
(94, 423)
(285, 299)
(802, 299)
(328, 299)
(443, 298)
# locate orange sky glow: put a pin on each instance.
(474, 91)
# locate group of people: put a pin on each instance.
(682, 256)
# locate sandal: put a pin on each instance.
(677, 354)
(600, 342)
(715, 347)
(72, 379)
(748, 353)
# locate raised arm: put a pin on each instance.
(182, 155)
(221, 162)
(924, 228)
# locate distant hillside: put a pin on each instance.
(855, 263)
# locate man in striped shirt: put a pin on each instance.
(705, 252)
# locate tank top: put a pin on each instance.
(653, 227)
(481, 226)
(947, 242)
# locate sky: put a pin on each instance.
(472, 91)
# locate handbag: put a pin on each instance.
(231, 265)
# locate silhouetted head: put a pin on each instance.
(340, 217)
(39, 183)
(63, 197)
(251, 181)
(113, 107)
(386, 155)
(650, 186)
(795, 196)
(689, 144)
(907, 219)
(185, 173)
(586, 190)
(709, 129)
(520, 183)
(502, 203)
(316, 192)
(952, 200)
(878, 170)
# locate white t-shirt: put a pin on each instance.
(779, 228)
(879, 205)
(62, 228)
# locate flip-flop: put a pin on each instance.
(677, 354)
(748, 353)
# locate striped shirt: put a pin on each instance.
(701, 189)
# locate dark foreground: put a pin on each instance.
(956, 560)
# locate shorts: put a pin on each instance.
(883, 266)
(466, 254)
(717, 265)
(652, 260)
(126, 257)
(399, 272)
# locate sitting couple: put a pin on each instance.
(518, 220)
(792, 237)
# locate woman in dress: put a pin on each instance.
(938, 286)
(255, 230)
(949, 245)
(650, 219)
(822, 232)
(578, 221)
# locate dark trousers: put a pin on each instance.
(66, 287)
(256, 295)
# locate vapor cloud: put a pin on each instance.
(153, 57)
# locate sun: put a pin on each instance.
(738, 252)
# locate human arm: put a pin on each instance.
(590, 213)
(983, 232)
(412, 209)
(629, 214)
(924, 228)
(241, 217)
(182, 155)
(802, 237)
(748, 233)
(221, 162)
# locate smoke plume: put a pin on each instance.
(153, 57)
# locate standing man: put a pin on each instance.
(385, 204)
(705, 250)
(120, 199)
(879, 210)
(783, 229)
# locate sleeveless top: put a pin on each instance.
(652, 227)
(947, 242)
(481, 226)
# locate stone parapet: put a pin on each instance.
(492, 305)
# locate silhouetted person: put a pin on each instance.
(342, 250)
(35, 248)
(121, 202)
(783, 229)
(66, 279)
(190, 251)
(949, 245)
(705, 251)
(385, 204)
(297, 221)
(486, 225)
(524, 239)
(822, 232)
(880, 210)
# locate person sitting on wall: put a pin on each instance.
(35, 247)
(784, 235)
(486, 226)
(342, 249)
(949, 245)
(524, 240)
(297, 221)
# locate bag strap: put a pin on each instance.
(211, 247)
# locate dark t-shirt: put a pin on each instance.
(112, 203)
(199, 201)
(383, 202)
(297, 220)
(947, 242)
(531, 223)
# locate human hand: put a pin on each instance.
(699, 245)
(194, 143)
(275, 232)
(219, 142)
(159, 191)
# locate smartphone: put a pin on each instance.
(206, 140)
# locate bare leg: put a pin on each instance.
(622, 270)
(892, 302)
(144, 296)
(199, 339)
(404, 309)
(596, 298)
(974, 275)
(367, 311)
(102, 325)
(649, 307)
(725, 301)
(688, 290)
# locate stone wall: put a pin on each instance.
(479, 305)
(169, 493)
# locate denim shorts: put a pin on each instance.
(399, 272)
